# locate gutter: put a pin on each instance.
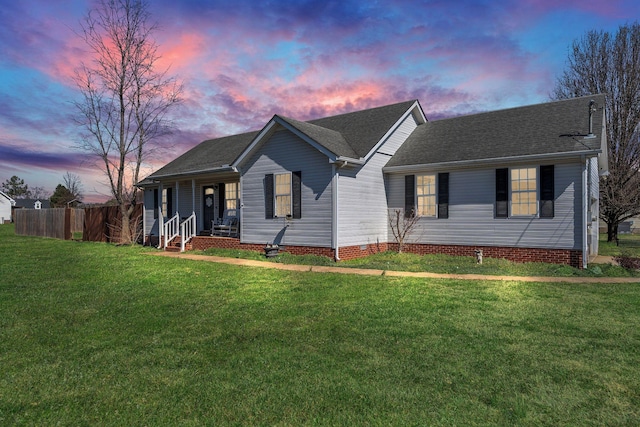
(345, 161)
(493, 160)
(223, 168)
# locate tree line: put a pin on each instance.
(66, 193)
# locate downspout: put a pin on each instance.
(240, 208)
(585, 207)
(334, 213)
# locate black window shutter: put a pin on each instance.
(221, 204)
(502, 193)
(409, 195)
(155, 203)
(268, 196)
(547, 195)
(169, 203)
(443, 195)
(296, 189)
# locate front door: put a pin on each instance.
(208, 206)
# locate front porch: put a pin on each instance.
(178, 210)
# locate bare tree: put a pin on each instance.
(125, 99)
(74, 185)
(40, 193)
(601, 62)
(401, 226)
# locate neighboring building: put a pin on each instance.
(6, 204)
(520, 183)
(32, 204)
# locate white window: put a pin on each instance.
(231, 195)
(524, 196)
(282, 194)
(426, 195)
(165, 202)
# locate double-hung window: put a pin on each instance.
(231, 195)
(427, 195)
(525, 192)
(282, 194)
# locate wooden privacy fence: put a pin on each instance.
(99, 224)
(58, 223)
(103, 224)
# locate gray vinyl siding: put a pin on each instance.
(185, 201)
(471, 213)
(594, 209)
(362, 202)
(285, 152)
(150, 223)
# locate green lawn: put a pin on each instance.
(94, 334)
(629, 245)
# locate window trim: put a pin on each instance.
(441, 194)
(295, 195)
(433, 194)
(288, 194)
(545, 196)
(535, 191)
(234, 199)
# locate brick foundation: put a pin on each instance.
(570, 257)
(203, 242)
(359, 251)
(554, 256)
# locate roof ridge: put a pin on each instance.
(363, 111)
(519, 107)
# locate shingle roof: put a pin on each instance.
(554, 127)
(364, 129)
(330, 139)
(348, 135)
(31, 203)
(208, 155)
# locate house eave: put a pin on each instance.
(493, 160)
(345, 161)
(156, 178)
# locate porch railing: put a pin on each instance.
(187, 230)
(171, 229)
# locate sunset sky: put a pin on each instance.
(241, 62)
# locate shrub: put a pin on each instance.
(630, 263)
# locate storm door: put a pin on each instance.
(208, 206)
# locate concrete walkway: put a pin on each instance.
(391, 273)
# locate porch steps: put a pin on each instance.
(174, 245)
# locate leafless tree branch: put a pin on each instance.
(125, 100)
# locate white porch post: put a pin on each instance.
(177, 202)
(160, 216)
(193, 195)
